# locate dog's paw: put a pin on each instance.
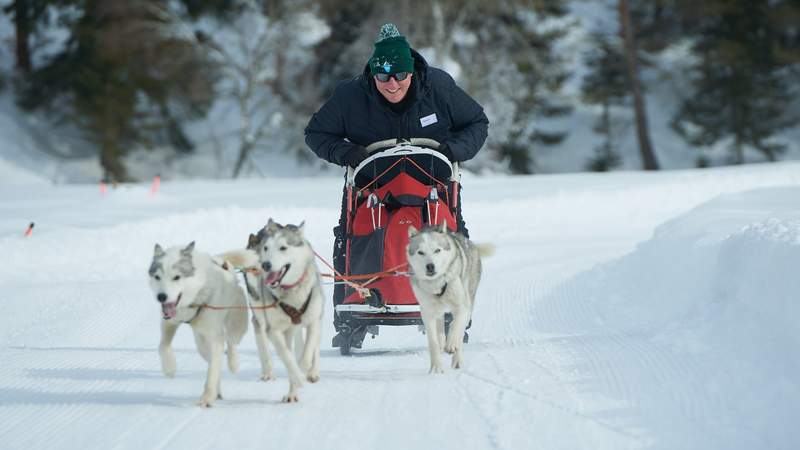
(436, 369)
(168, 365)
(207, 400)
(312, 377)
(450, 348)
(290, 398)
(456, 363)
(268, 376)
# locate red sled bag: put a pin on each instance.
(387, 193)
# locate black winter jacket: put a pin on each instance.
(357, 112)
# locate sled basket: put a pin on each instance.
(388, 192)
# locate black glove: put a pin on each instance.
(445, 150)
(355, 155)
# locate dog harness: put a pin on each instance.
(200, 307)
(294, 313)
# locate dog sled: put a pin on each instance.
(401, 183)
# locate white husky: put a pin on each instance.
(201, 290)
(290, 287)
(445, 272)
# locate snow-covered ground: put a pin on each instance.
(633, 310)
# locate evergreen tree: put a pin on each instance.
(526, 78)
(605, 84)
(27, 16)
(628, 31)
(740, 91)
(125, 77)
(347, 20)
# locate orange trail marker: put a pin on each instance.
(154, 187)
(29, 231)
(102, 188)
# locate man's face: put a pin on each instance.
(394, 91)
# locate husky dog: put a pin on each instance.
(291, 289)
(445, 271)
(249, 260)
(201, 290)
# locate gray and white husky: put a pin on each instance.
(290, 288)
(201, 290)
(445, 272)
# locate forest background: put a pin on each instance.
(124, 91)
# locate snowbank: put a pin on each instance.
(714, 295)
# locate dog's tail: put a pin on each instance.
(244, 258)
(485, 250)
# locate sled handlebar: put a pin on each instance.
(395, 149)
(389, 143)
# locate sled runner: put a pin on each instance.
(400, 184)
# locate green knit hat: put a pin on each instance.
(392, 53)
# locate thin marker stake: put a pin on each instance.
(154, 187)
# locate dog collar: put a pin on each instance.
(289, 286)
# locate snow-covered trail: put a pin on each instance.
(550, 364)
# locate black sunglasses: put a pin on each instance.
(384, 77)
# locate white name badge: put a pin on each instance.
(428, 120)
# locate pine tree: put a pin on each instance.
(649, 160)
(27, 16)
(125, 77)
(527, 77)
(606, 85)
(740, 91)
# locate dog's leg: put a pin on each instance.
(235, 329)
(311, 352)
(440, 332)
(165, 351)
(317, 345)
(202, 346)
(262, 343)
(295, 375)
(233, 356)
(458, 326)
(429, 319)
(295, 340)
(216, 348)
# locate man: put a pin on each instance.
(397, 96)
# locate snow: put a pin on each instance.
(619, 311)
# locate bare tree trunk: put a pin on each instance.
(111, 162)
(645, 147)
(23, 29)
(738, 149)
(244, 154)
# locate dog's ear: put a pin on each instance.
(301, 227)
(158, 252)
(272, 226)
(443, 226)
(189, 248)
(252, 241)
(412, 231)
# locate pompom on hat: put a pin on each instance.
(392, 53)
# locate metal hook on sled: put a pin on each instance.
(433, 197)
(372, 203)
